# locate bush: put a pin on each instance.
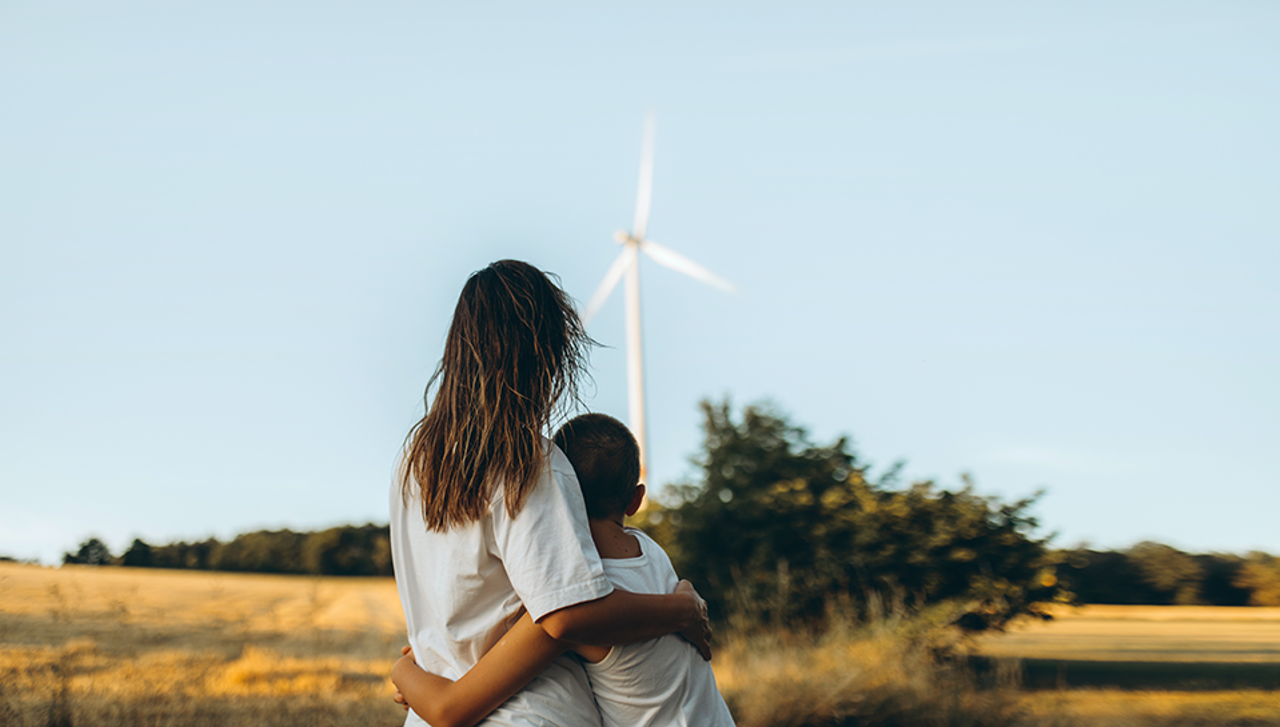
(91, 552)
(783, 525)
(898, 671)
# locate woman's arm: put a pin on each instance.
(512, 663)
(623, 617)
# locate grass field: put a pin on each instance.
(94, 647)
(1146, 634)
(1119, 665)
(121, 646)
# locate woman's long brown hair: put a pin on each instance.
(515, 349)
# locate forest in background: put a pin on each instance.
(789, 528)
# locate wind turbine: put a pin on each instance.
(628, 263)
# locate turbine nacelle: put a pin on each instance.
(626, 265)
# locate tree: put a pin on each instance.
(138, 555)
(1105, 576)
(91, 552)
(1171, 572)
(262, 551)
(350, 551)
(1260, 576)
(196, 556)
(783, 527)
(1218, 586)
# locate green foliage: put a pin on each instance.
(91, 552)
(1155, 574)
(1219, 585)
(1260, 575)
(263, 551)
(138, 555)
(348, 550)
(195, 556)
(1168, 571)
(785, 525)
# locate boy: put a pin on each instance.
(659, 683)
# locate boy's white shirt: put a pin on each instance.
(456, 585)
(658, 683)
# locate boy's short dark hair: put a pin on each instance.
(606, 457)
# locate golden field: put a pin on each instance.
(104, 646)
(1146, 633)
(122, 646)
(1181, 665)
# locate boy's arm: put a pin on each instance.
(512, 663)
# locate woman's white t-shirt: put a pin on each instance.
(456, 586)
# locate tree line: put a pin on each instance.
(783, 528)
(349, 550)
(1158, 574)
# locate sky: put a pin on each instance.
(1038, 243)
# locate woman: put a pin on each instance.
(487, 518)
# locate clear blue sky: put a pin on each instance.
(1035, 242)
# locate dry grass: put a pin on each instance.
(120, 646)
(883, 675)
(99, 647)
(1146, 633)
(887, 673)
(1111, 708)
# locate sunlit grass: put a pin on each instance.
(1146, 633)
(1114, 708)
(107, 647)
(119, 646)
(884, 674)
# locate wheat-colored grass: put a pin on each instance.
(109, 647)
(1114, 708)
(881, 675)
(1145, 633)
(121, 646)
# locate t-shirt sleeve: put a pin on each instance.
(547, 549)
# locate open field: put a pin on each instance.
(122, 646)
(1146, 647)
(93, 647)
(1146, 633)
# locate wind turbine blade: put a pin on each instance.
(680, 263)
(644, 193)
(611, 278)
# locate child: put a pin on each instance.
(659, 682)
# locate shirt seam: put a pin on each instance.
(597, 587)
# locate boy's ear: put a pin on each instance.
(637, 499)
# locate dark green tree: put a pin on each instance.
(782, 527)
(196, 556)
(91, 552)
(1172, 573)
(262, 551)
(138, 555)
(1106, 576)
(1260, 576)
(1221, 571)
(349, 551)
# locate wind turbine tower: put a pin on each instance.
(628, 263)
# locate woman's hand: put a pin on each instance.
(698, 632)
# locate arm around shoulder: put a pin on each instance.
(623, 617)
